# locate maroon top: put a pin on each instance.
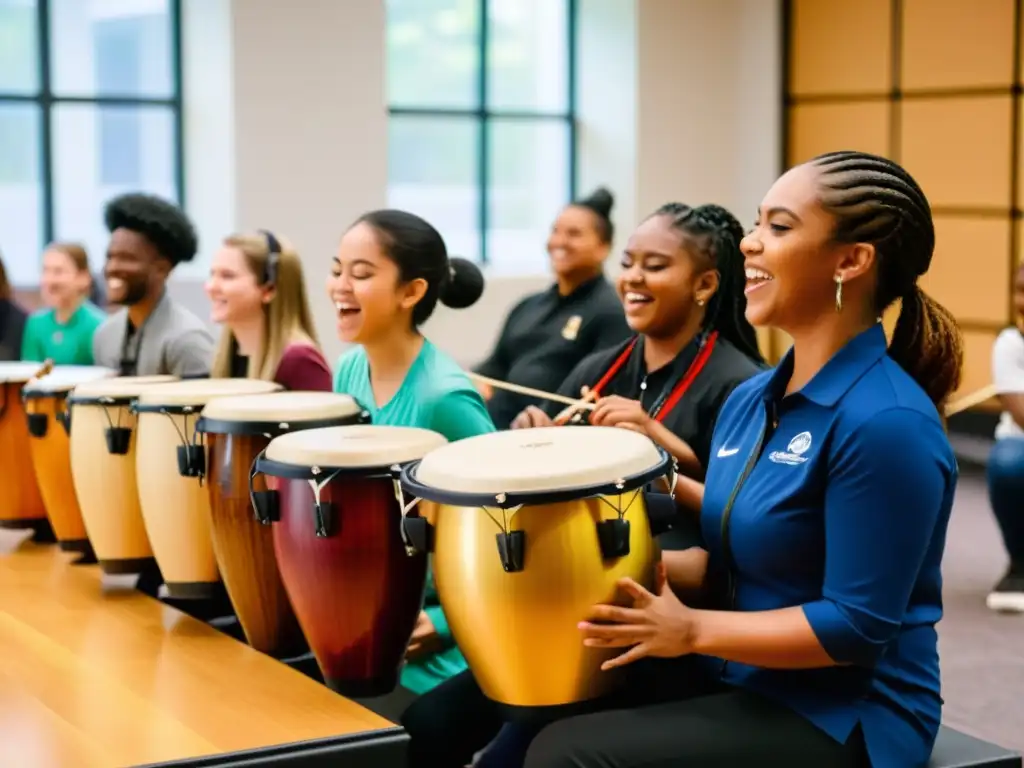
(303, 368)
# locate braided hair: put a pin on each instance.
(876, 201)
(717, 234)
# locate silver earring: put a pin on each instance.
(839, 293)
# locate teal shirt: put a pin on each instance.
(436, 394)
(69, 343)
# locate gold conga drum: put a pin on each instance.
(45, 401)
(103, 440)
(21, 504)
(236, 430)
(532, 528)
(170, 465)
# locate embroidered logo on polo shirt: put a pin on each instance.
(572, 328)
(794, 453)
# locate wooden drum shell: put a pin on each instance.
(357, 592)
(175, 509)
(518, 631)
(21, 502)
(51, 457)
(244, 548)
(107, 490)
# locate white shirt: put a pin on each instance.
(1008, 376)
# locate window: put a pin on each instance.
(482, 124)
(90, 107)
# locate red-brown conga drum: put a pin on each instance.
(45, 401)
(21, 503)
(339, 532)
(235, 430)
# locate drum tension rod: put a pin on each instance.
(511, 544)
(119, 439)
(264, 503)
(417, 532)
(191, 457)
(324, 517)
(613, 535)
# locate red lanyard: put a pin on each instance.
(680, 388)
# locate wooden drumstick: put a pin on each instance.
(971, 400)
(45, 370)
(529, 391)
(589, 396)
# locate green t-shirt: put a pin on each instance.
(69, 343)
(436, 394)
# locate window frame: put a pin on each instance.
(484, 116)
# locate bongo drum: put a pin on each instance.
(235, 431)
(341, 547)
(103, 441)
(532, 528)
(21, 504)
(45, 402)
(170, 463)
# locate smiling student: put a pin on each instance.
(390, 271)
(258, 295)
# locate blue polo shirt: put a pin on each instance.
(840, 508)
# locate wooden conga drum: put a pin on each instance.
(170, 465)
(46, 409)
(532, 528)
(21, 503)
(235, 431)
(103, 440)
(341, 548)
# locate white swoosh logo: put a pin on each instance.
(725, 453)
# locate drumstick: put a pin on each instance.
(530, 391)
(589, 396)
(971, 400)
(45, 370)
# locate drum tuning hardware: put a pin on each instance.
(325, 519)
(119, 439)
(417, 532)
(37, 423)
(512, 550)
(265, 504)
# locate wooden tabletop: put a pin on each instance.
(96, 675)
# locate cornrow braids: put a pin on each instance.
(717, 233)
(876, 201)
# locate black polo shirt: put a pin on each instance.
(545, 336)
(693, 417)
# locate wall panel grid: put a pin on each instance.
(937, 86)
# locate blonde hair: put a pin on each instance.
(286, 318)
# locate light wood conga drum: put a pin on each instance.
(103, 440)
(21, 504)
(533, 527)
(236, 430)
(341, 548)
(45, 401)
(170, 462)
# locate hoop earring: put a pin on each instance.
(839, 293)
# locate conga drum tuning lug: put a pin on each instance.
(613, 536)
(119, 440)
(65, 420)
(266, 506)
(191, 460)
(420, 535)
(512, 550)
(325, 519)
(37, 423)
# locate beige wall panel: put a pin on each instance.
(840, 46)
(970, 272)
(957, 44)
(977, 362)
(818, 128)
(959, 149)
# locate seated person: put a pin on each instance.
(548, 333)
(1006, 462)
(12, 321)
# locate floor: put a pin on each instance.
(982, 652)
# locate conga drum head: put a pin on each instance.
(356, 588)
(170, 466)
(48, 426)
(533, 527)
(280, 412)
(18, 372)
(21, 504)
(103, 466)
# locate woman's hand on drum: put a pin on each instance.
(425, 640)
(657, 624)
(615, 411)
(531, 416)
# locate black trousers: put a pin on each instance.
(670, 714)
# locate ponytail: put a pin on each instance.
(927, 344)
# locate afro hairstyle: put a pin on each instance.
(164, 224)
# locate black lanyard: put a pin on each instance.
(129, 366)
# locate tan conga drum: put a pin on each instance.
(103, 440)
(21, 503)
(170, 467)
(46, 407)
(236, 430)
(532, 528)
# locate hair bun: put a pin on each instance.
(464, 286)
(600, 201)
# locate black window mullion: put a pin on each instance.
(484, 127)
(45, 119)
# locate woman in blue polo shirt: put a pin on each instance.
(825, 511)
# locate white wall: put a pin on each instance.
(287, 125)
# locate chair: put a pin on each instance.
(958, 750)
